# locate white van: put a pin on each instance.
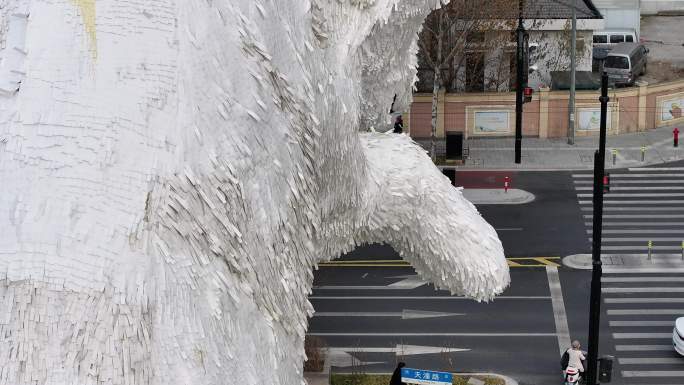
(610, 37)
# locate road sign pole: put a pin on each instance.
(520, 34)
(597, 271)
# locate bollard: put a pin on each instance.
(682, 250)
(507, 184)
(643, 153)
(650, 247)
(675, 136)
(614, 155)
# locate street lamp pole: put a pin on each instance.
(520, 35)
(595, 300)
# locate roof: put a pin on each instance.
(623, 49)
(560, 9)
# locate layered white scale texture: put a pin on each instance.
(172, 171)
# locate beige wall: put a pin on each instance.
(631, 109)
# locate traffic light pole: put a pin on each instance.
(595, 299)
(520, 34)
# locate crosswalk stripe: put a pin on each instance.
(652, 373)
(642, 348)
(644, 231)
(632, 188)
(663, 175)
(614, 182)
(656, 169)
(642, 239)
(614, 290)
(629, 336)
(649, 224)
(645, 312)
(623, 248)
(649, 209)
(650, 360)
(631, 202)
(640, 323)
(643, 300)
(637, 195)
(641, 270)
(642, 279)
(635, 216)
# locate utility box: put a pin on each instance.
(605, 368)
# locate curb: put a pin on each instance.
(485, 196)
(507, 380)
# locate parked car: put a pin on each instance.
(608, 38)
(678, 336)
(625, 62)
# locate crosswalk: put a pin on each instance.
(643, 205)
(641, 304)
(641, 309)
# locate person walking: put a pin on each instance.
(399, 125)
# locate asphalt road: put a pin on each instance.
(516, 335)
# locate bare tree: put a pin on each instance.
(457, 35)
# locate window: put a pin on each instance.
(617, 39)
(629, 39)
(599, 39)
(619, 62)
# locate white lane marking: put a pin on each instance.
(641, 323)
(631, 188)
(656, 169)
(652, 373)
(641, 270)
(420, 297)
(644, 224)
(636, 195)
(650, 360)
(627, 336)
(642, 348)
(645, 312)
(405, 314)
(636, 216)
(644, 300)
(559, 315)
(640, 202)
(642, 279)
(495, 335)
(613, 290)
(640, 231)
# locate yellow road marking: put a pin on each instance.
(512, 262)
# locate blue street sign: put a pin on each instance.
(425, 377)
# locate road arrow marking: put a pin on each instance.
(407, 282)
(405, 314)
(343, 356)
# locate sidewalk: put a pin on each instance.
(556, 154)
(627, 262)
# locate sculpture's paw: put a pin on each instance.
(415, 209)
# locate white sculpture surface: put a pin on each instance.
(172, 171)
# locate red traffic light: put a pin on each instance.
(528, 91)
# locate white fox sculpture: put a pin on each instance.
(172, 171)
